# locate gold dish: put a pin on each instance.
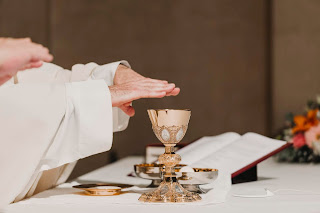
(102, 189)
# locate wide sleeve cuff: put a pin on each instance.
(120, 120)
(94, 115)
(87, 126)
(107, 71)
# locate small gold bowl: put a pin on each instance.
(102, 189)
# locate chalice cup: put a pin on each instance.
(170, 126)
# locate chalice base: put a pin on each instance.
(169, 191)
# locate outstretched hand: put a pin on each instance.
(20, 54)
(125, 75)
(123, 94)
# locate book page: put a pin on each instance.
(240, 153)
(205, 146)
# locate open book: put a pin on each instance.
(230, 151)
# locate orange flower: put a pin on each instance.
(303, 123)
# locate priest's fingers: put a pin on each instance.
(156, 80)
(19, 54)
(125, 93)
(174, 92)
(149, 81)
(129, 110)
(167, 88)
(40, 53)
(36, 52)
(151, 94)
(154, 84)
(33, 65)
(36, 64)
(127, 104)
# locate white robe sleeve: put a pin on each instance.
(107, 73)
(46, 125)
(86, 128)
(80, 72)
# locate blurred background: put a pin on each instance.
(241, 65)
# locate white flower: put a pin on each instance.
(316, 147)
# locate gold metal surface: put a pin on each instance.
(102, 192)
(192, 180)
(152, 172)
(96, 190)
(170, 126)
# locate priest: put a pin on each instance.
(51, 117)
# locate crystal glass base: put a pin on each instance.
(169, 191)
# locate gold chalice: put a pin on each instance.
(170, 126)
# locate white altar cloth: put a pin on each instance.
(272, 176)
(118, 173)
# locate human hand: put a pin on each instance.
(125, 74)
(123, 94)
(20, 54)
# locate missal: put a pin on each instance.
(230, 151)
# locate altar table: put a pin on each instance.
(303, 181)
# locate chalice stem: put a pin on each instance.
(170, 163)
(169, 149)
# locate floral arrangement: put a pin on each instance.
(304, 132)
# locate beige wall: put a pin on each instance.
(217, 51)
(296, 56)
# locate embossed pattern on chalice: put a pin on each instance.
(170, 134)
(169, 159)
